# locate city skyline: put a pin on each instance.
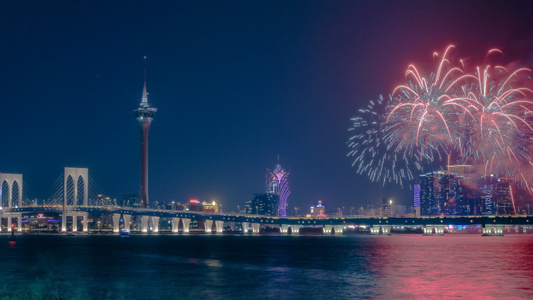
(238, 84)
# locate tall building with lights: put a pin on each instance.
(264, 204)
(442, 193)
(497, 195)
(144, 114)
(277, 183)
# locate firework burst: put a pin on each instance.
(373, 156)
(497, 109)
(419, 119)
(483, 117)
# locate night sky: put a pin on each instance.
(236, 83)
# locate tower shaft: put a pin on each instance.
(145, 128)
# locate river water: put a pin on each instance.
(266, 267)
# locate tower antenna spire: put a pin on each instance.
(144, 98)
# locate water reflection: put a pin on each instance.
(457, 267)
(267, 267)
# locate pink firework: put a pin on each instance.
(419, 121)
(497, 109)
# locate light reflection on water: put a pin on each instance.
(266, 267)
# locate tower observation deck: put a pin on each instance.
(144, 114)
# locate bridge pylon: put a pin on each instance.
(14, 187)
(14, 184)
(77, 176)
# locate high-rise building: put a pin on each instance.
(386, 208)
(442, 193)
(277, 183)
(497, 195)
(144, 114)
(428, 203)
(264, 204)
(416, 202)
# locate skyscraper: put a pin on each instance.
(144, 114)
(264, 204)
(277, 183)
(497, 195)
(442, 193)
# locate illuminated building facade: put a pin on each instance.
(318, 211)
(264, 204)
(497, 195)
(416, 199)
(212, 207)
(194, 205)
(416, 189)
(131, 200)
(386, 208)
(428, 203)
(442, 193)
(144, 114)
(277, 183)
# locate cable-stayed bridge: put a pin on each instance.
(74, 199)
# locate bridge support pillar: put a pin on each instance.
(19, 222)
(144, 223)
(175, 224)
(439, 230)
(127, 221)
(256, 227)
(208, 225)
(85, 222)
(339, 229)
(493, 230)
(487, 230)
(295, 229)
(64, 221)
(385, 229)
(116, 222)
(186, 223)
(9, 222)
(284, 228)
(498, 230)
(327, 229)
(245, 226)
(428, 230)
(155, 224)
(220, 226)
(374, 229)
(74, 222)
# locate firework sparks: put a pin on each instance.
(483, 117)
(372, 155)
